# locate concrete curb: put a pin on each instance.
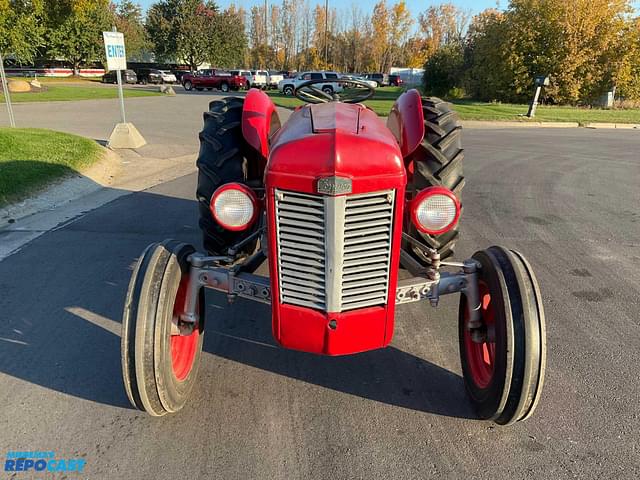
(516, 124)
(85, 182)
(117, 175)
(624, 126)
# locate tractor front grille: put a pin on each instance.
(334, 252)
(301, 249)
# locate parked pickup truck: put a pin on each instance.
(260, 79)
(275, 78)
(211, 78)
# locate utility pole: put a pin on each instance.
(7, 96)
(266, 34)
(326, 30)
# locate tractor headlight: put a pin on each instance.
(435, 210)
(234, 206)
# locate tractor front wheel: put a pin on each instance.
(159, 366)
(503, 362)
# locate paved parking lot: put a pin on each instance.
(169, 124)
(567, 199)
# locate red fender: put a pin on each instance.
(259, 120)
(406, 121)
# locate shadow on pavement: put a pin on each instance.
(242, 332)
(63, 295)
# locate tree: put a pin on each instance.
(625, 68)
(231, 40)
(576, 42)
(128, 20)
(585, 46)
(400, 23)
(74, 31)
(184, 30)
(442, 25)
(162, 29)
(488, 76)
(443, 72)
(21, 31)
(380, 24)
(197, 37)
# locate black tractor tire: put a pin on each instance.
(438, 162)
(159, 369)
(223, 158)
(504, 373)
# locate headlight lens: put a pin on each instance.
(435, 210)
(234, 206)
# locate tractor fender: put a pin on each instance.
(406, 121)
(259, 121)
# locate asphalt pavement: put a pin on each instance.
(568, 199)
(169, 124)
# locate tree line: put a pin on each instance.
(587, 47)
(184, 31)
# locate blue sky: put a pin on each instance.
(416, 6)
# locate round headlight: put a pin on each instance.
(435, 210)
(234, 206)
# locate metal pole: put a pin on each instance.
(7, 96)
(326, 29)
(120, 92)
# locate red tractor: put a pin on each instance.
(354, 216)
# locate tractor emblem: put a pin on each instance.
(334, 185)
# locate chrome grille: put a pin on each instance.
(367, 248)
(301, 249)
(334, 252)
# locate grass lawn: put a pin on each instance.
(31, 158)
(469, 110)
(67, 93)
(71, 79)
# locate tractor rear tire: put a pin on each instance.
(438, 162)
(222, 159)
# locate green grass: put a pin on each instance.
(469, 110)
(31, 158)
(72, 79)
(500, 111)
(69, 93)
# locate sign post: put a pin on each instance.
(124, 135)
(540, 81)
(7, 96)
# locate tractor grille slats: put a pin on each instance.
(301, 249)
(368, 223)
(359, 229)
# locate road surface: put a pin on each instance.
(568, 199)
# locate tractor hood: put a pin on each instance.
(335, 139)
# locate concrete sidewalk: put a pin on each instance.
(118, 174)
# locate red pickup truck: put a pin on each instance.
(211, 78)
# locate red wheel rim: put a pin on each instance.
(183, 347)
(481, 356)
